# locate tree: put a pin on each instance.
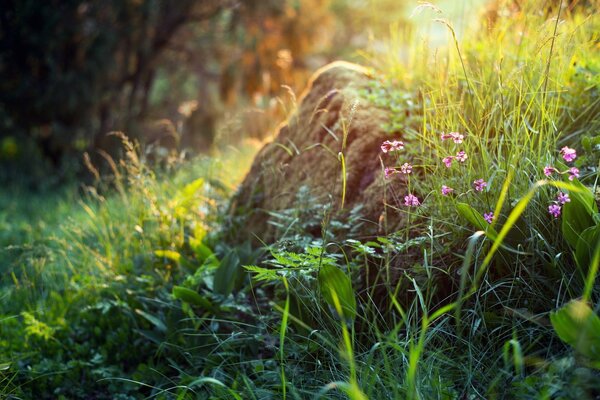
(73, 69)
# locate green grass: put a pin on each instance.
(512, 92)
(77, 257)
(126, 289)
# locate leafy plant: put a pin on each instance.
(579, 326)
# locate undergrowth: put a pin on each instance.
(135, 294)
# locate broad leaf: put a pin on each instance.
(334, 280)
(586, 245)
(476, 219)
(227, 274)
(201, 250)
(153, 320)
(578, 325)
(191, 297)
(578, 214)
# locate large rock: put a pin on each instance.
(333, 116)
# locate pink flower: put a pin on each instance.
(411, 200)
(448, 161)
(406, 168)
(563, 198)
(489, 217)
(573, 173)
(389, 171)
(393, 145)
(461, 156)
(479, 185)
(446, 190)
(568, 154)
(554, 210)
(455, 136)
(548, 170)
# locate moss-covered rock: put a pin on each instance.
(332, 117)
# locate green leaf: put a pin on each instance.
(588, 241)
(227, 274)
(191, 297)
(578, 214)
(153, 320)
(476, 219)
(201, 250)
(334, 280)
(205, 381)
(577, 325)
(586, 143)
(262, 274)
(187, 197)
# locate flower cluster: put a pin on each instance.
(461, 156)
(446, 190)
(573, 172)
(554, 210)
(406, 168)
(455, 136)
(389, 146)
(411, 200)
(562, 198)
(479, 185)
(489, 217)
(556, 207)
(548, 170)
(569, 155)
(392, 145)
(389, 171)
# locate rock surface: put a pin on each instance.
(333, 116)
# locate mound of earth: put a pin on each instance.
(333, 117)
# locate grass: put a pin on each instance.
(69, 256)
(125, 289)
(510, 91)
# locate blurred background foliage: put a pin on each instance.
(174, 74)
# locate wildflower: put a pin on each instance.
(411, 200)
(549, 170)
(461, 156)
(479, 185)
(563, 198)
(455, 136)
(393, 145)
(554, 210)
(448, 161)
(446, 190)
(568, 154)
(406, 168)
(389, 171)
(489, 217)
(573, 173)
